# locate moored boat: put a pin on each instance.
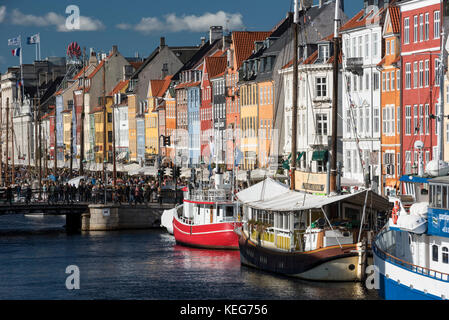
(411, 253)
(307, 236)
(207, 219)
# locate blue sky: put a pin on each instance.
(135, 26)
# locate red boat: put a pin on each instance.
(207, 219)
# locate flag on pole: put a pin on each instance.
(16, 52)
(34, 39)
(238, 156)
(14, 41)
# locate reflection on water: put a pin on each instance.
(137, 265)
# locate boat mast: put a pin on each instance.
(7, 143)
(333, 167)
(441, 105)
(81, 166)
(295, 94)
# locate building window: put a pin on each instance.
(427, 77)
(408, 76)
(445, 255)
(415, 29)
(406, 30)
(436, 25)
(367, 43)
(415, 119)
(421, 27)
(367, 77)
(399, 164)
(437, 73)
(415, 74)
(398, 120)
(376, 120)
(421, 120)
(392, 80)
(387, 51)
(408, 120)
(393, 47)
(376, 81)
(375, 44)
(427, 118)
(388, 81)
(321, 87)
(383, 82)
(408, 162)
(435, 253)
(421, 74)
(398, 80)
(348, 161)
(321, 124)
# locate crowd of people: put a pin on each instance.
(58, 189)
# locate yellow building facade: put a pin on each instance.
(249, 124)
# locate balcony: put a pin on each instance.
(355, 65)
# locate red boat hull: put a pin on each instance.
(208, 236)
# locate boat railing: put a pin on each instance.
(210, 195)
(405, 264)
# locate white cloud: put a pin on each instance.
(191, 23)
(2, 13)
(124, 26)
(54, 19)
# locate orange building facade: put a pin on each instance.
(391, 104)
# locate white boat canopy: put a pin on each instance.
(263, 190)
(280, 198)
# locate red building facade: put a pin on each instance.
(421, 22)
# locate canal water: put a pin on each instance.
(35, 252)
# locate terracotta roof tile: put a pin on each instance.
(187, 85)
(361, 19)
(215, 65)
(244, 44)
(395, 16)
(118, 87)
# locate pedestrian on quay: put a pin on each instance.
(51, 198)
(66, 193)
(159, 195)
(9, 195)
(146, 194)
(28, 194)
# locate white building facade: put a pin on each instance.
(361, 97)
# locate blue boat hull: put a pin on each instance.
(391, 290)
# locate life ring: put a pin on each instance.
(394, 216)
(394, 213)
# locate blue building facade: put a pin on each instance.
(193, 106)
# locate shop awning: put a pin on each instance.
(320, 155)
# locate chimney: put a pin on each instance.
(320, 4)
(203, 41)
(114, 49)
(162, 42)
(93, 57)
(215, 33)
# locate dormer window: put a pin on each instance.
(323, 52)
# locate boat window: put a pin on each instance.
(229, 212)
(445, 197)
(435, 253)
(431, 193)
(218, 211)
(438, 197)
(445, 255)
